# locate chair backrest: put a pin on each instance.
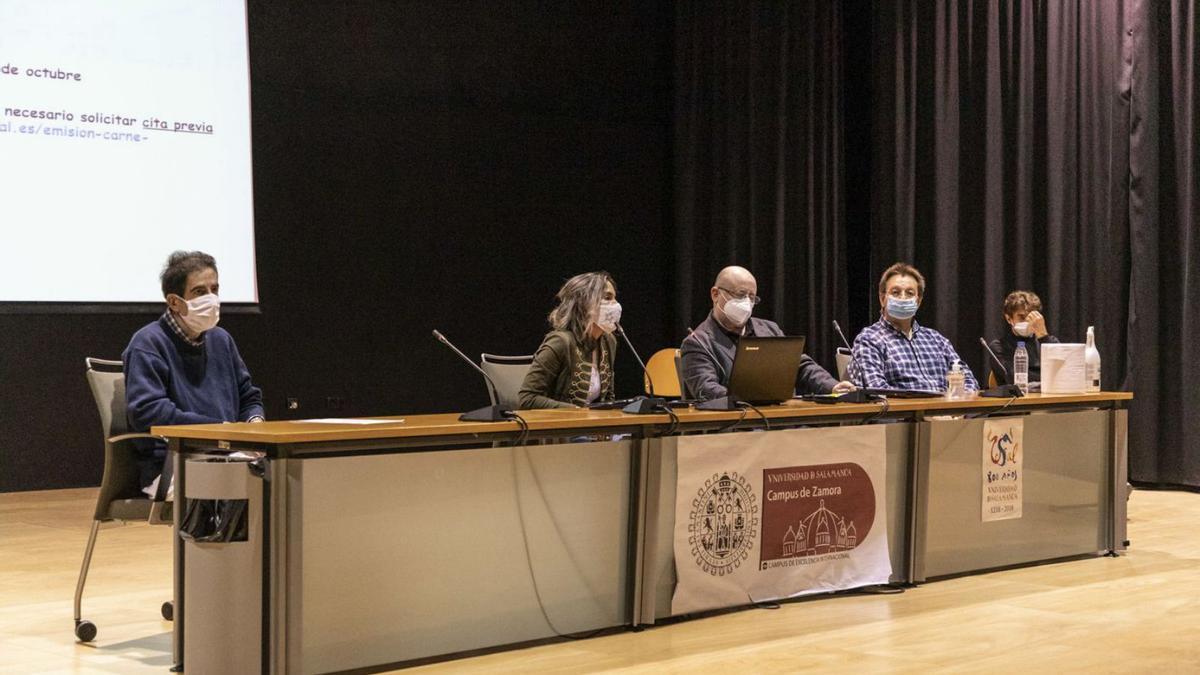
(119, 496)
(663, 369)
(508, 372)
(107, 380)
(843, 362)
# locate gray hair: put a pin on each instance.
(577, 299)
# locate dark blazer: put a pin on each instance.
(705, 378)
(1006, 347)
(561, 371)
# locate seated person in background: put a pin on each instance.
(182, 369)
(898, 353)
(707, 354)
(574, 365)
(1023, 312)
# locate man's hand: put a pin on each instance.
(843, 387)
(1037, 323)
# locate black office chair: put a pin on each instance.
(120, 496)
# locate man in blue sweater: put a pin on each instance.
(182, 369)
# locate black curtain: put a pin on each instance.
(1032, 144)
(758, 160)
(1051, 146)
(1164, 303)
(1001, 150)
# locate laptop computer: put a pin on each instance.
(764, 369)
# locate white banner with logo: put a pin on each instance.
(762, 516)
(1003, 459)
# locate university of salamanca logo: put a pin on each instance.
(724, 519)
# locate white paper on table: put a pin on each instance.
(1064, 369)
(348, 420)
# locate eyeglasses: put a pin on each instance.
(754, 299)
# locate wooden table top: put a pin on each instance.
(448, 424)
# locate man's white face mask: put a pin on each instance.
(738, 310)
(1022, 328)
(203, 313)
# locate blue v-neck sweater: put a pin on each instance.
(168, 381)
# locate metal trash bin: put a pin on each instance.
(222, 532)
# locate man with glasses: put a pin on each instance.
(896, 352)
(707, 353)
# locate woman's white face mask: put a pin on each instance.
(203, 313)
(608, 315)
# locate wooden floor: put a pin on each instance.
(1137, 613)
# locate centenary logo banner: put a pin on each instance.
(763, 516)
(1003, 459)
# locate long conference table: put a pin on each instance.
(384, 541)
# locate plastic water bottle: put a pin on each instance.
(1091, 360)
(1021, 368)
(956, 382)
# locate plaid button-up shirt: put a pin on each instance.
(885, 358)
(178, 330)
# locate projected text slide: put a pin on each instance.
(124, 135)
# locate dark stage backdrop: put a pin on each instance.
(417, 165)
(1051, 146)
(422, 165)
(758, 161)
(1040, 145)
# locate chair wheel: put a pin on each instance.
(85, 630)
(168, 610)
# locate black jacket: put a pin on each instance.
(1006, 347)
(705, 379)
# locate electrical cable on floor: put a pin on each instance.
(524, 435)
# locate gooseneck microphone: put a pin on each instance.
(860, 395)
(1000, 390)
(642, 405)
(995, 358)
(841, 334)
(491, 413)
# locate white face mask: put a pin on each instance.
(1022, 328)
(738, 310)
(203, 313)
(608, 316)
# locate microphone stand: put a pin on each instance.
(1003, 390)
(860, 395)
(642, 405)
(490, 413)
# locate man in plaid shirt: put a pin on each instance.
(898, 353)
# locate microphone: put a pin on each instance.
(642, 405)
(841, 334)
(995, 358)
(491, 413)
(860, 395)
(1002, 390)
